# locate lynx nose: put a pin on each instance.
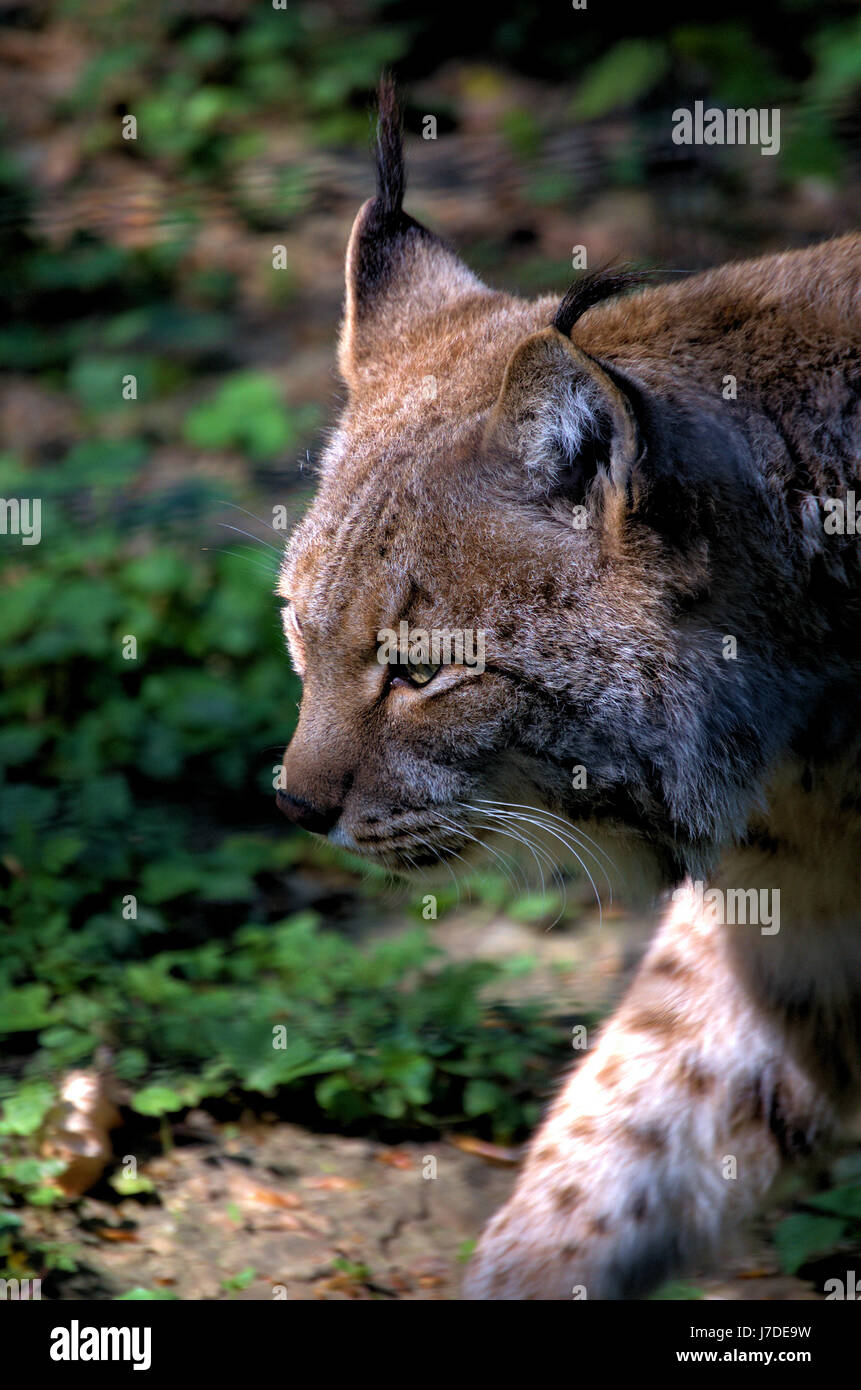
(301, 812)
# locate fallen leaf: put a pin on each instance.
(266, 1196)
(491, 1153)
(332, 1184)
(119, 1233)
(395, 1158)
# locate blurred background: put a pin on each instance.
(171, 289)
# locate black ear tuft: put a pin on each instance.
(397, 271)
(391, 175)
(591, 289)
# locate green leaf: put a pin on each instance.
(171, 878)
(140, 1295)
(678, 1291)
(131, 1187)
(44, 1196)
(534, 907)
(842, 1201)
(26, 1171)
(24, 1112)
(247, 412)
(799, 1237)
(25, 1009)
(157, 1100)
(241, 1280)
(621, 77)
(837, 71)
(482, 1097)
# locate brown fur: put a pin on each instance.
(474, 432)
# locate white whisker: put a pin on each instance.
(460, 830)
(549, 830)
(224, 503)
(441, 860)
(521, 838)
(579, 835)
(259, 540)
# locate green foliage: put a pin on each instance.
(25, 1177)
(801, 1236)
(621, 77)
(677, 1292)
(93, 742)
(739, 72)
(728, 65)
(25, 1110)
(126, 784)
(247, 414)
(386, 1038)
(522, 130)
(536, 907)
(375, 1036)
(140, 1295)
(836, 53)
(235, 1283)
(834, 1216)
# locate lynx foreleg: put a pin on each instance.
(665, 1139)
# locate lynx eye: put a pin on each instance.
(416, 672)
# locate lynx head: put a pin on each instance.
(587, 528)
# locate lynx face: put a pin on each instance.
(598, 526)
(410, 763)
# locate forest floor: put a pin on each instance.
(260, 1208)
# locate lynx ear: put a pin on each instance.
(563, 415)
(397, 271)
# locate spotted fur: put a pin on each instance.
(478, 426)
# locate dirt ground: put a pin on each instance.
(265, 1209)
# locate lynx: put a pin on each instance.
(631, 496)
